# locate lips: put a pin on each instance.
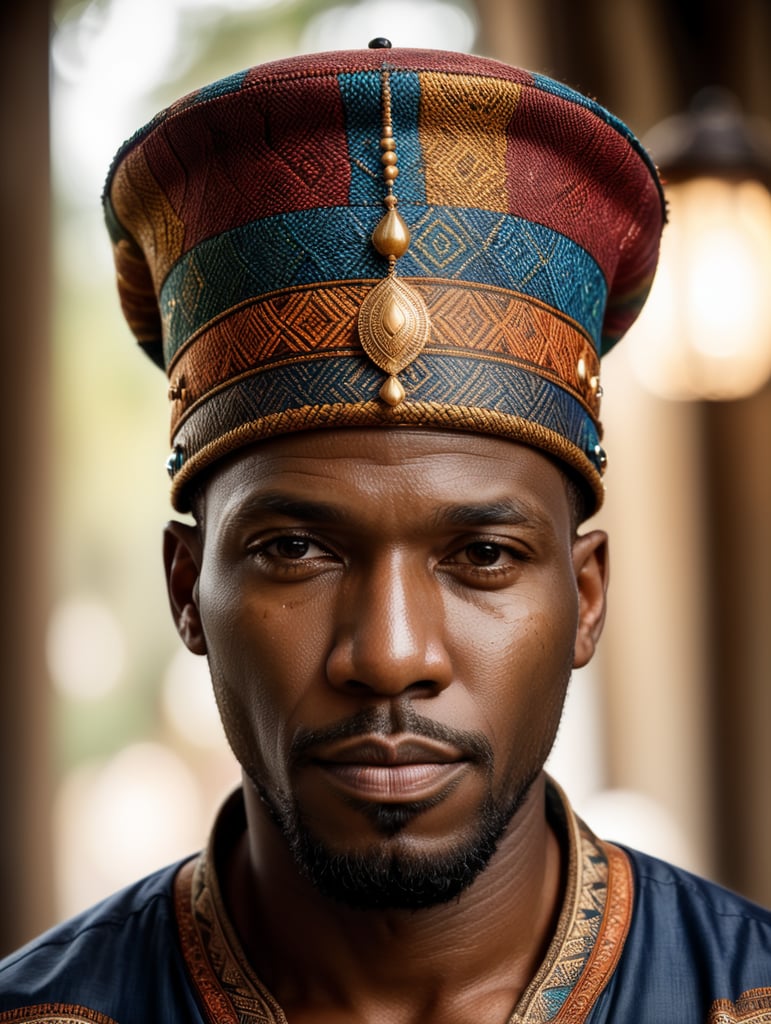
(389, 750)
(393, 769)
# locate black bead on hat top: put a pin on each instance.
(380, 43)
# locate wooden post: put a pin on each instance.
(25, 741)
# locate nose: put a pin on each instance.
(389, 637)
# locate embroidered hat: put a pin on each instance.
(383, 238)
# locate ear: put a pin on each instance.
(182, 553)
(590, 564)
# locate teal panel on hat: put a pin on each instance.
(362, 99)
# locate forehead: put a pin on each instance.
(424, 468)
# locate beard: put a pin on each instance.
(390, 875)
(383, 878)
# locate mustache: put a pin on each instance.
(390, 720)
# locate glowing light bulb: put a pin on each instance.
(706, 330)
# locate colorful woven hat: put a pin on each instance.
(383, 238)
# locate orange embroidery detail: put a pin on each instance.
(752, 1007)
(55, 1013)
(280, 328)
(610, 942)
(216, 1002)
(229, 991)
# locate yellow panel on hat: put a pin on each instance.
(463, 136)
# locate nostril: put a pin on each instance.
(354, 686)
(420, 688)
(423, 688)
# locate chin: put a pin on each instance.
(393, 872)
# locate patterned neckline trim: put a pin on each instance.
(583, 953)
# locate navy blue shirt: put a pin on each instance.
(638, 941)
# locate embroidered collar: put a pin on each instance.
(582, 955)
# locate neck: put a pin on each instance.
(477, 952)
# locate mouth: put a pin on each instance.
(394, 769)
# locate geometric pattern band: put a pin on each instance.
(589, 942)
(474, 246)
(306, 324)
(445, 390)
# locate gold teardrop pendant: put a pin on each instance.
(391, 237)
(393, 324)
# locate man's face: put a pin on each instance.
(391, 618)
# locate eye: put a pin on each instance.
(290, 557)
(483, 553)
(292, 547)
(486, 562)
(487, 554)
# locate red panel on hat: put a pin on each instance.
(233, 163)
(569, 172)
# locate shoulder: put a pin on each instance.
(683, 900)
(101, 965)
(695, 951)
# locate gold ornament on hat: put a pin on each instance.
(393, 320)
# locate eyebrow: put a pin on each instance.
(291, 508)
(505, 511)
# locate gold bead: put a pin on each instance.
(388, 158)
(387, 143)
(392, 392)
(391, 237)
(178, 390)
(390, 173)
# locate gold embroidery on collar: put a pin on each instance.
(229, 991)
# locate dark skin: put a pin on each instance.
(349, 571)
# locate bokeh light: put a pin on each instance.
(188, 701)
(85, 649)
(120, 819)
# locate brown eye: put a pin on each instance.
(483, 553)
(291, 547)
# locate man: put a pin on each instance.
(380, 283)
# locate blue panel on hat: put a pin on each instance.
(317, 246)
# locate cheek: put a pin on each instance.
(265, 660)
(529, 632)
(517, 662)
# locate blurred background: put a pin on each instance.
(111, 757)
